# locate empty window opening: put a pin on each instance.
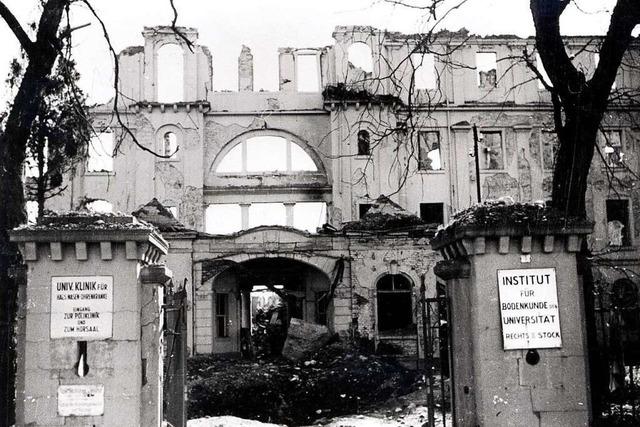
(233, 161)
(266, 153)
(363, 208)
(429, 156)
(432, 213)
(549, 149)
(223, 218)
(32, 211)
(267, 214)
(222, 315)
(322, 307)
(424, 70)
(486, 66)
(543, 72)
(300, 160)
(262, 154)
(618, 222)
(360, 56)
(99, 206)
(364, 143)
(169, 144)
(170, 73)
(395, 311)
(101, 153)
(307, 73)
(612, 147)
(309, 216)
(490, 150)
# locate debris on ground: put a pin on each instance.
(337, 380)
(228, 421)
(304, 338)
(403, 411)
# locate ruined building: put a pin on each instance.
(330, 188)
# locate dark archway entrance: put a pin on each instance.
(253, 302)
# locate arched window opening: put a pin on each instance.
(364, 143)
(233, 161)
(360, 56)
(395, 313)
(264, 154)
(170, 73)
(169, 144)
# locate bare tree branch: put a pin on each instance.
(16, 28)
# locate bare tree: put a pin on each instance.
(52, 39)
(579, 103)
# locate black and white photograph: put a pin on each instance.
(338, 213)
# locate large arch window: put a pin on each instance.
(264, 154)
(170, 73)
(395, 313)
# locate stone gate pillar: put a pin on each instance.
(91, 324)
(519, 355)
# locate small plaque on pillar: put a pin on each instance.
(82, 307)
(80, 400)
(529, 308)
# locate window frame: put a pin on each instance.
(162, 132)
(502, 148)
(554, 149)
(241, 142)
(628, 235)
(307, 53)
(221, 297)
(603, 140)
(442, 164)
(477, 70)
(391, 332)
(109, 172)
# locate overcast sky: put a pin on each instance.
(265, 25)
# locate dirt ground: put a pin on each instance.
(336, 381)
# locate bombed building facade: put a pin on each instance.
(329, 189)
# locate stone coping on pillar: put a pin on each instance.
(468, 233)
(81, 228)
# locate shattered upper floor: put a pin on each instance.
(364, 65)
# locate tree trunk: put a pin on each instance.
(42, 55)
(577, 141)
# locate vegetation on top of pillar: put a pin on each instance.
(85, 220)
(499, 218)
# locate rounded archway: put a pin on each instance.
(254, 300)
(394, 298)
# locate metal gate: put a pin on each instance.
(175, 338)
(435, 334)
(615, 354)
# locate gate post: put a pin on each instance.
(518, 340)
(92, 322)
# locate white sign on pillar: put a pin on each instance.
(82, 307)
(529, 308)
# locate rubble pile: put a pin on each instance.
(338, 379)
